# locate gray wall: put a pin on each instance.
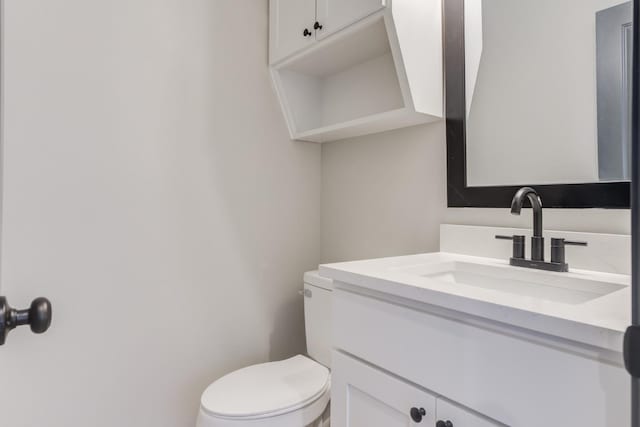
(152, 192)
(385, 195)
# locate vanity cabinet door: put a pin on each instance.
(364, 396)
(333, 15)
(449, 415)
(288, 20)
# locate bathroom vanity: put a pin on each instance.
(479, 334)
(456, 339)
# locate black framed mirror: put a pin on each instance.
(464, 189)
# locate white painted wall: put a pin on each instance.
(385, 195)
(153, 194)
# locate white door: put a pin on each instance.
(333, 15)
(449, 415)
(291, 27)
(364, 396)
(18, 309)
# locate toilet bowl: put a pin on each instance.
(289, 393)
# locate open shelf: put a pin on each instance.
(349, 84)
(375, 123)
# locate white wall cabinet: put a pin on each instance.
(296, 24)
(374, 65)
(334, 15)
(288, 21)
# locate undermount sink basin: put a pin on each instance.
(518, 281)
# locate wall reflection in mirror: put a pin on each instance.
(548, 91)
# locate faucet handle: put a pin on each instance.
(518, 245)
(573, 243)
(499, 237)
(557, 249)
(565, 242)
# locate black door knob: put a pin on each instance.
(441, 423)
(317, 26)
(417, 414)
(307, 33)
(38, 317)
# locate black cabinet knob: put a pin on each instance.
(38, 317)
(307, 33)
(441, 423)
(417, 414)
(317, 26)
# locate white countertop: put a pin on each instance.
(599, 322)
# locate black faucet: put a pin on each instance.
(518, 259)
(537, 241)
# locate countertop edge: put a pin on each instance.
(567, 329)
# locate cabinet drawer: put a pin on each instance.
(364, 396)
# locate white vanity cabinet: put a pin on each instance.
(366, 396)
(459, 417)
(344, 68)
(392, 354)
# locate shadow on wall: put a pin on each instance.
(285, 331)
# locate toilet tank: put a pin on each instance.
(317, 316)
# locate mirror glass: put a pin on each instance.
(548, 91)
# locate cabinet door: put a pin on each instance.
(449, 415)
(288, 20)
(362, 396)
(334, 15)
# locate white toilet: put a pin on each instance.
(289, 393)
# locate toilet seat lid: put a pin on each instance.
(267, 389)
